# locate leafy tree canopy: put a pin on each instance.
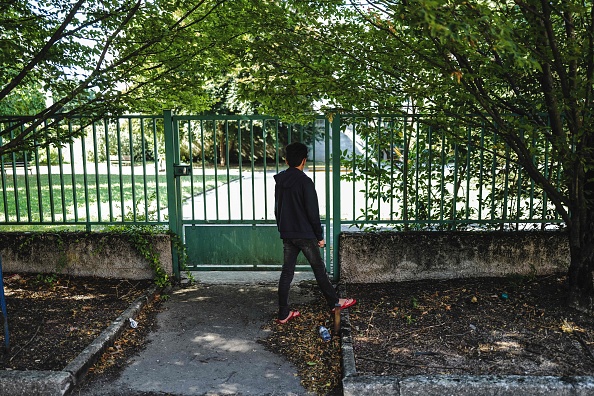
(101, 58)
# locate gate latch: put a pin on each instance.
(182, 170)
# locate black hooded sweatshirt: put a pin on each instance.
(296, 206)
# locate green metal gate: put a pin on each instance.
(227, 220)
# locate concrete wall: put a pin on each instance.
(365, 257)
(81, 254)
(373, 257)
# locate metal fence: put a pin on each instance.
(111, 174)
(394, 171)
(406, 173)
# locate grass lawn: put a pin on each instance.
(59, 198)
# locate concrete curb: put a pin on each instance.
(459, 385)
(50, 383)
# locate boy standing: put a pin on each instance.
(298, 220)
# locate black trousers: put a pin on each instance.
(311, 251)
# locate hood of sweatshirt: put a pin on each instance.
(289, 177)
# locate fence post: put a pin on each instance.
(172, 198)
(336, 209)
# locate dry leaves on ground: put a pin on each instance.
(504, 326)
(51, 318)
(318, 362)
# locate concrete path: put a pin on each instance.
(206, 342)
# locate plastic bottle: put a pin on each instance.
(325, 334)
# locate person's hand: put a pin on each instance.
(322, 243)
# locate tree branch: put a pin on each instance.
(43, 52)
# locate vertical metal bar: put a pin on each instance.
(546, 175)
(38, 181)
(532, 184)
(559, 169)
(227, 166)
(518, 190)
(264, 158)
(367, 160)
(275, 138)
(506, 185)
(121, 173)
(108, 165)
(392, 156)
(191, 161)
(216, 164)
(328, 183)
(3, 172)
(405, 174)
(85, 180)
(380, 164)
(97, 183)
(50, 181)
(549, 172)
(15, 185)
(429, 170)
(62, 195)
(493, 177)
(455, 192)
(444, 161)
(144, 173)
(278, 158)
(4, 197)
(203, 167)
(132, 175)
(177, 184)
(27, 187)
(481, 175)
(240, 164)
(336, 210)
(417, 170)
(252, 167)
(172, 198)
(73, 176)
(178, 180)
(468, 164)
(157, 166)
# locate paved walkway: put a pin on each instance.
(206, 342)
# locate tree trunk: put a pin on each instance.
(581, 244)
(581, 269)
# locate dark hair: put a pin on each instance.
(295, 153)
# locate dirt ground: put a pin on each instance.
(471, 326)
(51, 319)
(515, 325)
